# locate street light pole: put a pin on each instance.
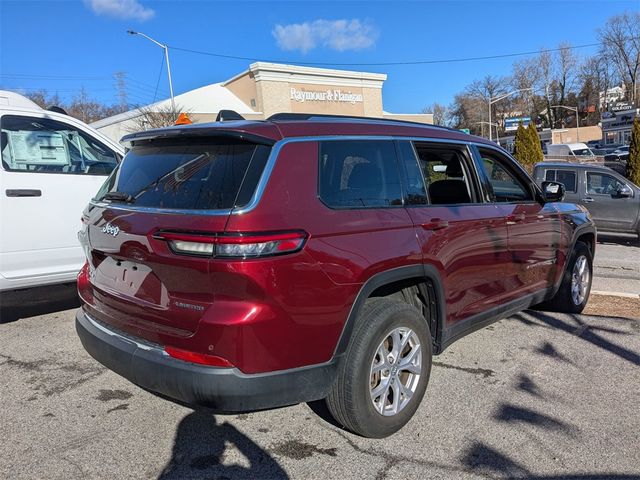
(166, 56)
(497, 99)
(574, 109)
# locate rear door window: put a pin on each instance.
(359, 174)
(566, 177)
(447, 173)
(206, 176)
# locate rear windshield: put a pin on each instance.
(206, 176)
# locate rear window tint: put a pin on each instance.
(206, 176)
(359, 174)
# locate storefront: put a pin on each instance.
(617, 125)
(267, 88)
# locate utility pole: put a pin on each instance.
(166, 56)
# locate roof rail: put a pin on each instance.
(284, 116)
(57, 109)
(228, 115)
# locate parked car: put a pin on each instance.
(52, 164)
(253, 264)
(569, 149)
(612, 200)
(620, 155)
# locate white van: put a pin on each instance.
(52, 164)
(569, 150)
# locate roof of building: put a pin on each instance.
(207, 99)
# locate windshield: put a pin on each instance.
(206, 176)
(582, 151)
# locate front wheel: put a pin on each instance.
(385, 371)
(573, 294)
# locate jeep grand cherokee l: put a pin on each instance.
(246, 265)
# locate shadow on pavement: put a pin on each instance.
(515, 414)
(199, 452)
(37, 301)
(484, 458)
(581, 330)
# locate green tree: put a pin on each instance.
(633, 164)
(522, 148)
(536, 148)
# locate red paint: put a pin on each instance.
(287, 311)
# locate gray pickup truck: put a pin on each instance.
(612, 200)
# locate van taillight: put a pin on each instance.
(237, 245)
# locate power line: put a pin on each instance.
(159, 75)
(386, 64)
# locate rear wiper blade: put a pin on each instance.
(119, 197)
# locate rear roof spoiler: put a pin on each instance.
(194, 131)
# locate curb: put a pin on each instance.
(616, 294)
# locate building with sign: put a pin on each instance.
(267, 88)
(618, 122)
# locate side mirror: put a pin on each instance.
(553, 191)
(624, 192)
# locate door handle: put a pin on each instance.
(515, 218)
(588, 200)
(24, 192)
(435, 224)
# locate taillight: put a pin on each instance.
(199, 358)
(238, 245)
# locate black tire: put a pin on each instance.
(563, 301)
(349, 400)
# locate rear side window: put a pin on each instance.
(42, 145)
(359, 174)
(446, 174)
(567, 177)
(206, 176)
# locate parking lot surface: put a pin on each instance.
(616, 266)
(535, 396)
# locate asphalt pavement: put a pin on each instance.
(617, 264)
(542, 396)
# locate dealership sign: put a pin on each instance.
(302, 96)
(511, 123)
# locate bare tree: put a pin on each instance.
(81, 106)
(440, 113)
(44, 99)
(620, 40)
(595, 77)
(155, 116)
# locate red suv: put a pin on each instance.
(245, 265)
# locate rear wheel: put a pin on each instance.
(573, 294)
(385, 371)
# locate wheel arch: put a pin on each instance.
(428, 282)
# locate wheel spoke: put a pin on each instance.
(382, 387)
(410, 357)
(376, 368)
(407, 392)
(397, 341)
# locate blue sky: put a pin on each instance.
(65, 45)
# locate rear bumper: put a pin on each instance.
(222, 389)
